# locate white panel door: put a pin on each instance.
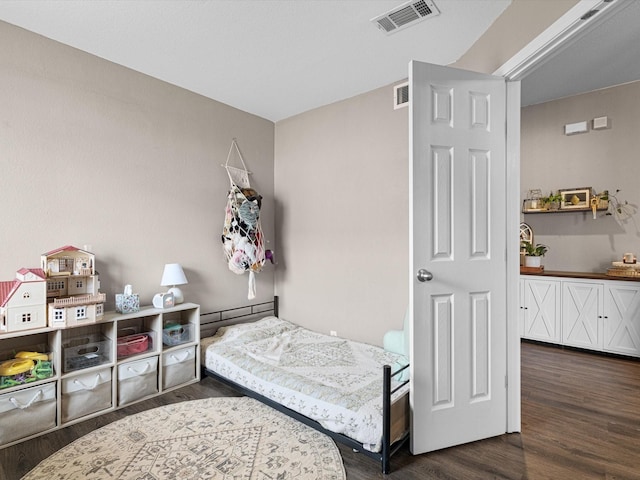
(458, 234)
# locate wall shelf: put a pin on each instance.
(566, 210)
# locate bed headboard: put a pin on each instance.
(211, 321)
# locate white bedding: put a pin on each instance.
(329, 379)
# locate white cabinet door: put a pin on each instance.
(582, 314)
(542, 310)
(521, 309)
(622, 318)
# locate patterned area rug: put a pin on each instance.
(215, 438)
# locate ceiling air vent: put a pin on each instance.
(406, 15)
(401, 95)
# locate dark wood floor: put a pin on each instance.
(580, 420)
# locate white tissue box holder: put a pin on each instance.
(127, 303)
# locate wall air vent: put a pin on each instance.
(401, 95)
(406, 15)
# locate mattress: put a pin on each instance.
(334, 381)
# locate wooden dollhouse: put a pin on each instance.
(23, 301)
(73, 286)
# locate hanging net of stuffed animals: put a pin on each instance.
(242, 238)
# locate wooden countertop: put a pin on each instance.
(585, 275)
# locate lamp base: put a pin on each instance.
(178, 297)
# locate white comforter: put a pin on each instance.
(331, 380)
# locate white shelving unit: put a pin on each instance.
(100, 367)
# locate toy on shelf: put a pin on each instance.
(23, 301)
(72, 287)
(26, 367)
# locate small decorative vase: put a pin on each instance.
(531, 261)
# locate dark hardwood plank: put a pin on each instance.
(580, 420)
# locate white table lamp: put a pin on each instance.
(174, 275)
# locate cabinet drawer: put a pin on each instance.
(27, 412)
(179, 366)
(85, 394)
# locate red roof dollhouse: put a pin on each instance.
(23, 301)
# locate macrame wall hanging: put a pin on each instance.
(242, 237)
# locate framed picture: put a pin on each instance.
(577, 198)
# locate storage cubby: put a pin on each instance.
(179, 328)
(35, 350)
(38, 342)
(178, 366)
(99, 367)
(27, 412)
(85, 393)
(137, 379)
(87, 346)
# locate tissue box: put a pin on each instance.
(127, 303)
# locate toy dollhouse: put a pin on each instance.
(23, 301)
(72, 287)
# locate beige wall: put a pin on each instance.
(342, 188)
(95, 154)
(602, 159)
(341, 183)
(92, 153)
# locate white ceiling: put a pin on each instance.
(607, 54)
(278, 58)
(272, 58)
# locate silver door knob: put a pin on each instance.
(424, 275)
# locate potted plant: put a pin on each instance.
(533, 253)
(552, 202)
(621, 210)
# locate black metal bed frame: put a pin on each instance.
(388, 448)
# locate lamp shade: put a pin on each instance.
(174, 275)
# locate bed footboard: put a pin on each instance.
(395, 417)
(399, 418)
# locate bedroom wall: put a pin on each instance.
(342, 188)
(96, 154)
(92, 153)
(341, 182)
(602, 159)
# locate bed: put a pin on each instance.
(342, 388)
